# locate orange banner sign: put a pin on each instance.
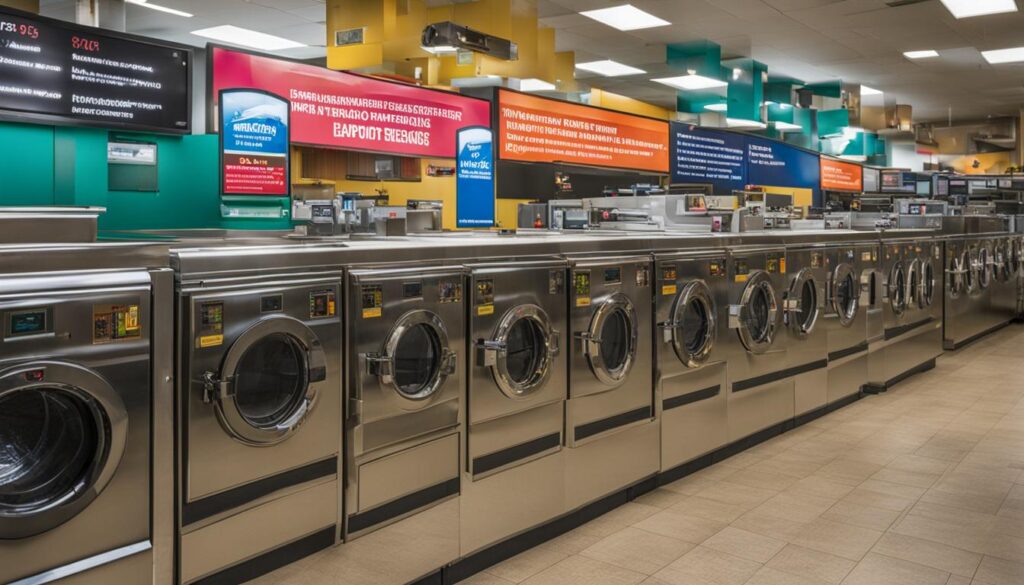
(535, 129)
(841, 176)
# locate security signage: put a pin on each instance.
(254, 143)
(781, 165)
(59, 72)
(536, 129)
(702, 156)
(841, 176)
(474, 178)
(337, 109)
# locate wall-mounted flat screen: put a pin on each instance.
(52, 71)
(872, 178)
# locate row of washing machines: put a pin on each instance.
(207, 414)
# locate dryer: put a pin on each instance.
(852, 293)
(612, 437)
(259, 401)
(761, 390)
(803, 302)
(405, 350)
(912, 316)
(82, 364)
(691, 368)
(514, 472)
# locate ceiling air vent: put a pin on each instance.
(352, 36)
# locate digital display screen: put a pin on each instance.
(322, 211)
(613, 275)
(28, 322)
(59, 70)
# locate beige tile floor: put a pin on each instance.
(921, 485)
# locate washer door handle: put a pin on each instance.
(449, 362)
(215, 389)
(736, 315)
(487, 352)
(379, 365)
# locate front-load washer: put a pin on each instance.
(83, 330)
(514, 472)
(1004, 280)
(851, 294)
(912, 319)
(405, 350)
(259, 400)
(761, 391)
(612, 437)
(691, 370)
(803, 303)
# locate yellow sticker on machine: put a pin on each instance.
(582, 301)
(482, 310)
(782, 265)
(865, 256)
(668, 289)
(742, 277)
(211, 341)
(372, 312)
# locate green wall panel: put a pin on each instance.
(26, 165)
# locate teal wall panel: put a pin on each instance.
(26, 165)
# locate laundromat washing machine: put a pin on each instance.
(406, 352)
(1004, 280)
(259, 408)
(852, 294)
(807, 347)
(761, 393)
(84, 385)
(691, 303)
(514, 470)
(965, 302)
(612, 438)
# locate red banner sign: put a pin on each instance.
(535, 129)
(841, 176)
(344, 110)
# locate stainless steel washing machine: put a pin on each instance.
(912, 314)
(968, 311)
(259, 400)
(803, 303)
(852, 292)
(514, 472)
(612, 437)
(84, 361)
(1005, 267)
(406, 347)
(761, 391)
(691, 368)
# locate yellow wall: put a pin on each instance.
(992, 163)
(801, 197)
(614, 101)
(507, 212)
(26, 5)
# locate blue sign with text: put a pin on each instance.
(474, 178)
(707, 156)
(781, 165)
(254, 143)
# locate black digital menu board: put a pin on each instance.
(51, 70)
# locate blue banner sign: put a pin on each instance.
(474, 178)
(706, 156)
(778, 164)
(254, 143)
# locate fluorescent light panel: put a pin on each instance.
(787, 127)
(691, 82)
(609, 68)
(998, 56)
(865, 90)
(534, 84)
(970, 8)
(440, 49)
(159, 8)
(739, 123)
(927, 54)
(247, 38)
(625, 17)
(717, 107)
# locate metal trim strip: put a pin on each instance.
(86, 564)
(402, 505)
(892, 332)
(691, 397)
(271, 560)
(841, 353)
(606, 424)
(491, 461)
(780, 375)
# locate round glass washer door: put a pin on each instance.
(1014, 258)
(610, 343)
(270, 388)
(62, 435)
(844, 294)
(984, 268)
(898, 288)
(926, 289)
(802, 303)
(694, 327)
(757, 315)
(970, 267)
(522, 351)
(956, 276)
(914, 283)
(417, 358)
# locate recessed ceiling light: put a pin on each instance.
(534, 84)
(609, 68)
(246, 38)
(441, 49)
(1004, 55)
(969, 8)
(787, 127)
(159, 8)
(717, 107)
(928, 54)
(739, 123)
(691, 82)
(865, 90)
(625, 17)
